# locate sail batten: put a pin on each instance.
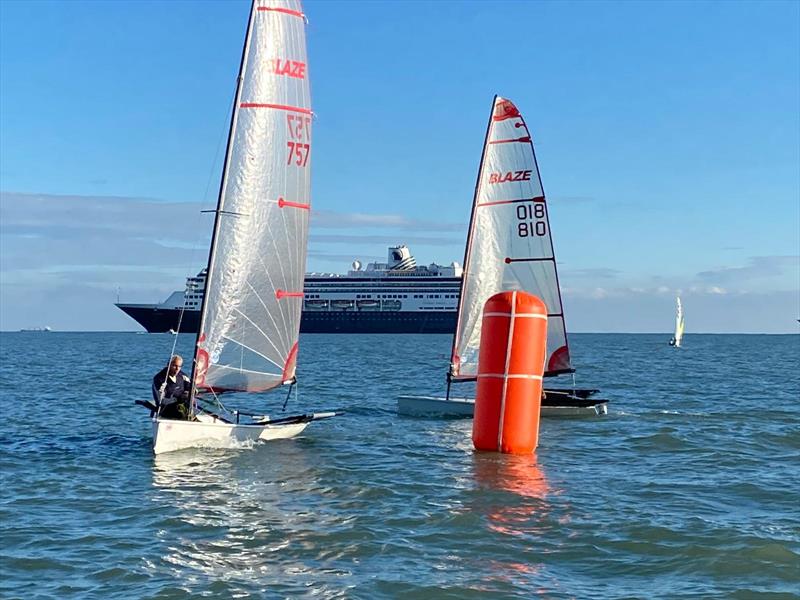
(509, 245)
(257, 265)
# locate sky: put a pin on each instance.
(667, 135)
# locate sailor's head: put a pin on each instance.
(175, 364)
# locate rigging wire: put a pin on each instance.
(193, 254)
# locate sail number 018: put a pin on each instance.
(527, 226)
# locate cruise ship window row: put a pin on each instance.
(334, 278)
(311, 296)
(397, 296)
(381, 284)
(448, 290)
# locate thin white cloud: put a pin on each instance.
(382, 240)
(592, 273)
(325, 219)
(637, 291)
(147, 247)
(706, 311)
(758, 267)
(343, 258)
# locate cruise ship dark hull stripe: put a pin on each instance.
(159, 320)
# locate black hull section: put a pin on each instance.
(156, 320)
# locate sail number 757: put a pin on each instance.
(531, 220)
(299, 144)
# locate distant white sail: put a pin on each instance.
(254, 293)
(509, 245)
(679, 323)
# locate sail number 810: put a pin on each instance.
(527, 226)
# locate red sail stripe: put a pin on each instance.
(305, 111)
(290, 364)
(282, 203)
(286, 11)
(280, 294)
(537, 199)
(522, 139)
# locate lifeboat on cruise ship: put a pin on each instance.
(342, 304)
(392, 305)
(316, 304)
(368, 304)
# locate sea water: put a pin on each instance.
(689, 487)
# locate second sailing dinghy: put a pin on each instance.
(250, 318)
(676, 339)
(509, 247)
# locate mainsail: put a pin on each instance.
(250, 318)
(678, 323)
(509, 245)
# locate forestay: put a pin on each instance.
(509, 246)
(251, 314)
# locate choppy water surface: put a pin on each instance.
(690, 487)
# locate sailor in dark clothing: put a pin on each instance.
(171, 389)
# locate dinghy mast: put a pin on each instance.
(250, 316)
(223, 179)
(451, 372)
(509, 245)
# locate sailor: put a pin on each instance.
(171, 389)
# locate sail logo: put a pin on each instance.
(291, 68)
(510, 176)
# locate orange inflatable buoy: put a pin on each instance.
(510, 367)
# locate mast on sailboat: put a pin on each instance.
(451, 371)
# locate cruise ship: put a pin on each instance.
(392, 297)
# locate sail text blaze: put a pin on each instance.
(510, 176)
(291, 68)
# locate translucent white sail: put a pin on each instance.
(509, 245)
(254, 294)
(678, 323)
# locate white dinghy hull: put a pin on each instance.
(170, 435)
(432, 406)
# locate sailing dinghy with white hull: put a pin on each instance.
(509, 247)
(676, 339)
(250, 318)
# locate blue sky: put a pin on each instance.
(668, 136)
